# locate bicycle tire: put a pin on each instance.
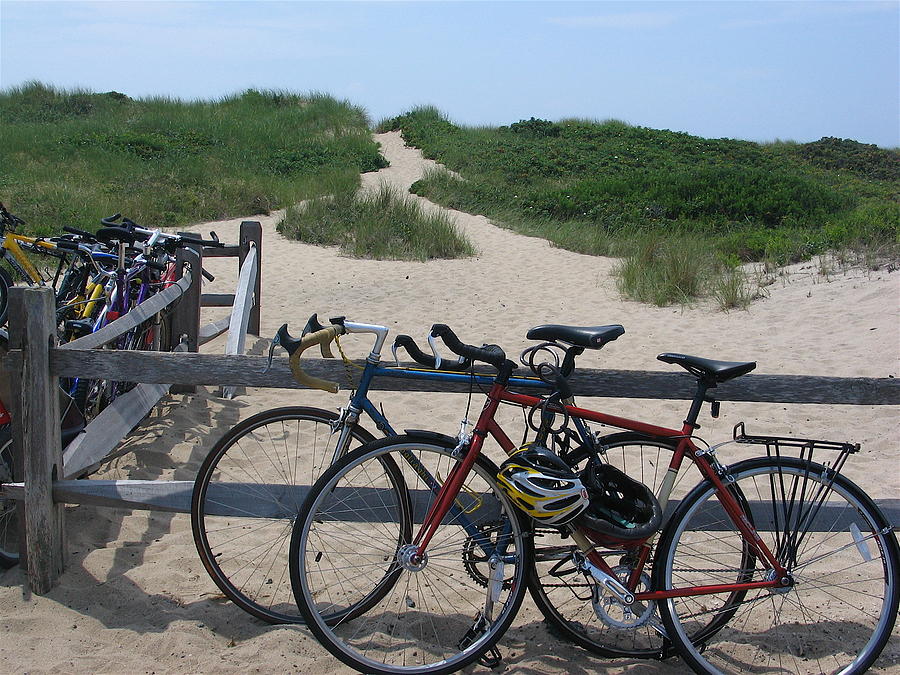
(564, 595)
(9, 525)
(791, 629)
(6, 283)
(426, 616)
(252, 574)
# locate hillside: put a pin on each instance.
(590, 186)
(72, 157)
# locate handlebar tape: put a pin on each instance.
(490, 354)
(297, 347)
(110, 221)
(313, 325)
(206, 275)
(427, 360)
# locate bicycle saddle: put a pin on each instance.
(707, 369)
(589, 337)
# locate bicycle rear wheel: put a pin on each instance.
(246, 494)
(433, 615)
(572, 602)
(841, 553)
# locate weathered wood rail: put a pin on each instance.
(36, 363)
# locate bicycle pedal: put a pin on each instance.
(491, 658)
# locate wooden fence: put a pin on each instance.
(36, 363)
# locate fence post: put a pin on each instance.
(35, 426)
(186, 315)
(251, 231)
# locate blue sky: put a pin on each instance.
(760, 70)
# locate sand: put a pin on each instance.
(135, 598)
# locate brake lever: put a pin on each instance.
(276, 342)
(432, 342)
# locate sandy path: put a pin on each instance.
(135, 597)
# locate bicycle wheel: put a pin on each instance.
(572, 602)
(242, 507)
(9, 526)
(840, 552)
(6, 283)
(433, 615)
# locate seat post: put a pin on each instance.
(702, 387)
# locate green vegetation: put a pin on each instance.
(383, 224)
(72, 157)
(684, 211)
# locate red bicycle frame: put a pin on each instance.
(685, 448)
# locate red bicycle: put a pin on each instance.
(412, 554)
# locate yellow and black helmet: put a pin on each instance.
(543, 485)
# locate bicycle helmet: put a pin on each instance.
(620, 507)
(542, 485)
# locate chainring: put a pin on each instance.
(474, 559)
(616, 615)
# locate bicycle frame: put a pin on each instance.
(487, 425)
(17, 258)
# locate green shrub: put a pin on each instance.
(587, 186)
(383, 224)
(863, 159)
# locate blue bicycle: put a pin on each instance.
(251, 484)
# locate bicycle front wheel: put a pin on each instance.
(841, 554)
(6, 283)
(433, 614)
(246, 495)
(9, 525)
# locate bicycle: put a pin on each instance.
(381, 560)
(13, 252)
(248, 488)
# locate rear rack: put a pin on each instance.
(741, 436)
(807, 446)
(802, 501)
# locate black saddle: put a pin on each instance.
(589, 337)
(711, 371)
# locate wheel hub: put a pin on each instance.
(409, 559)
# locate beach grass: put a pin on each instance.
(74, 156)
(383, 224)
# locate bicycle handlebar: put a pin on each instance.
(295, 349)
(315, 334)
(420, 357)
(491, 354)
(81, 233)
